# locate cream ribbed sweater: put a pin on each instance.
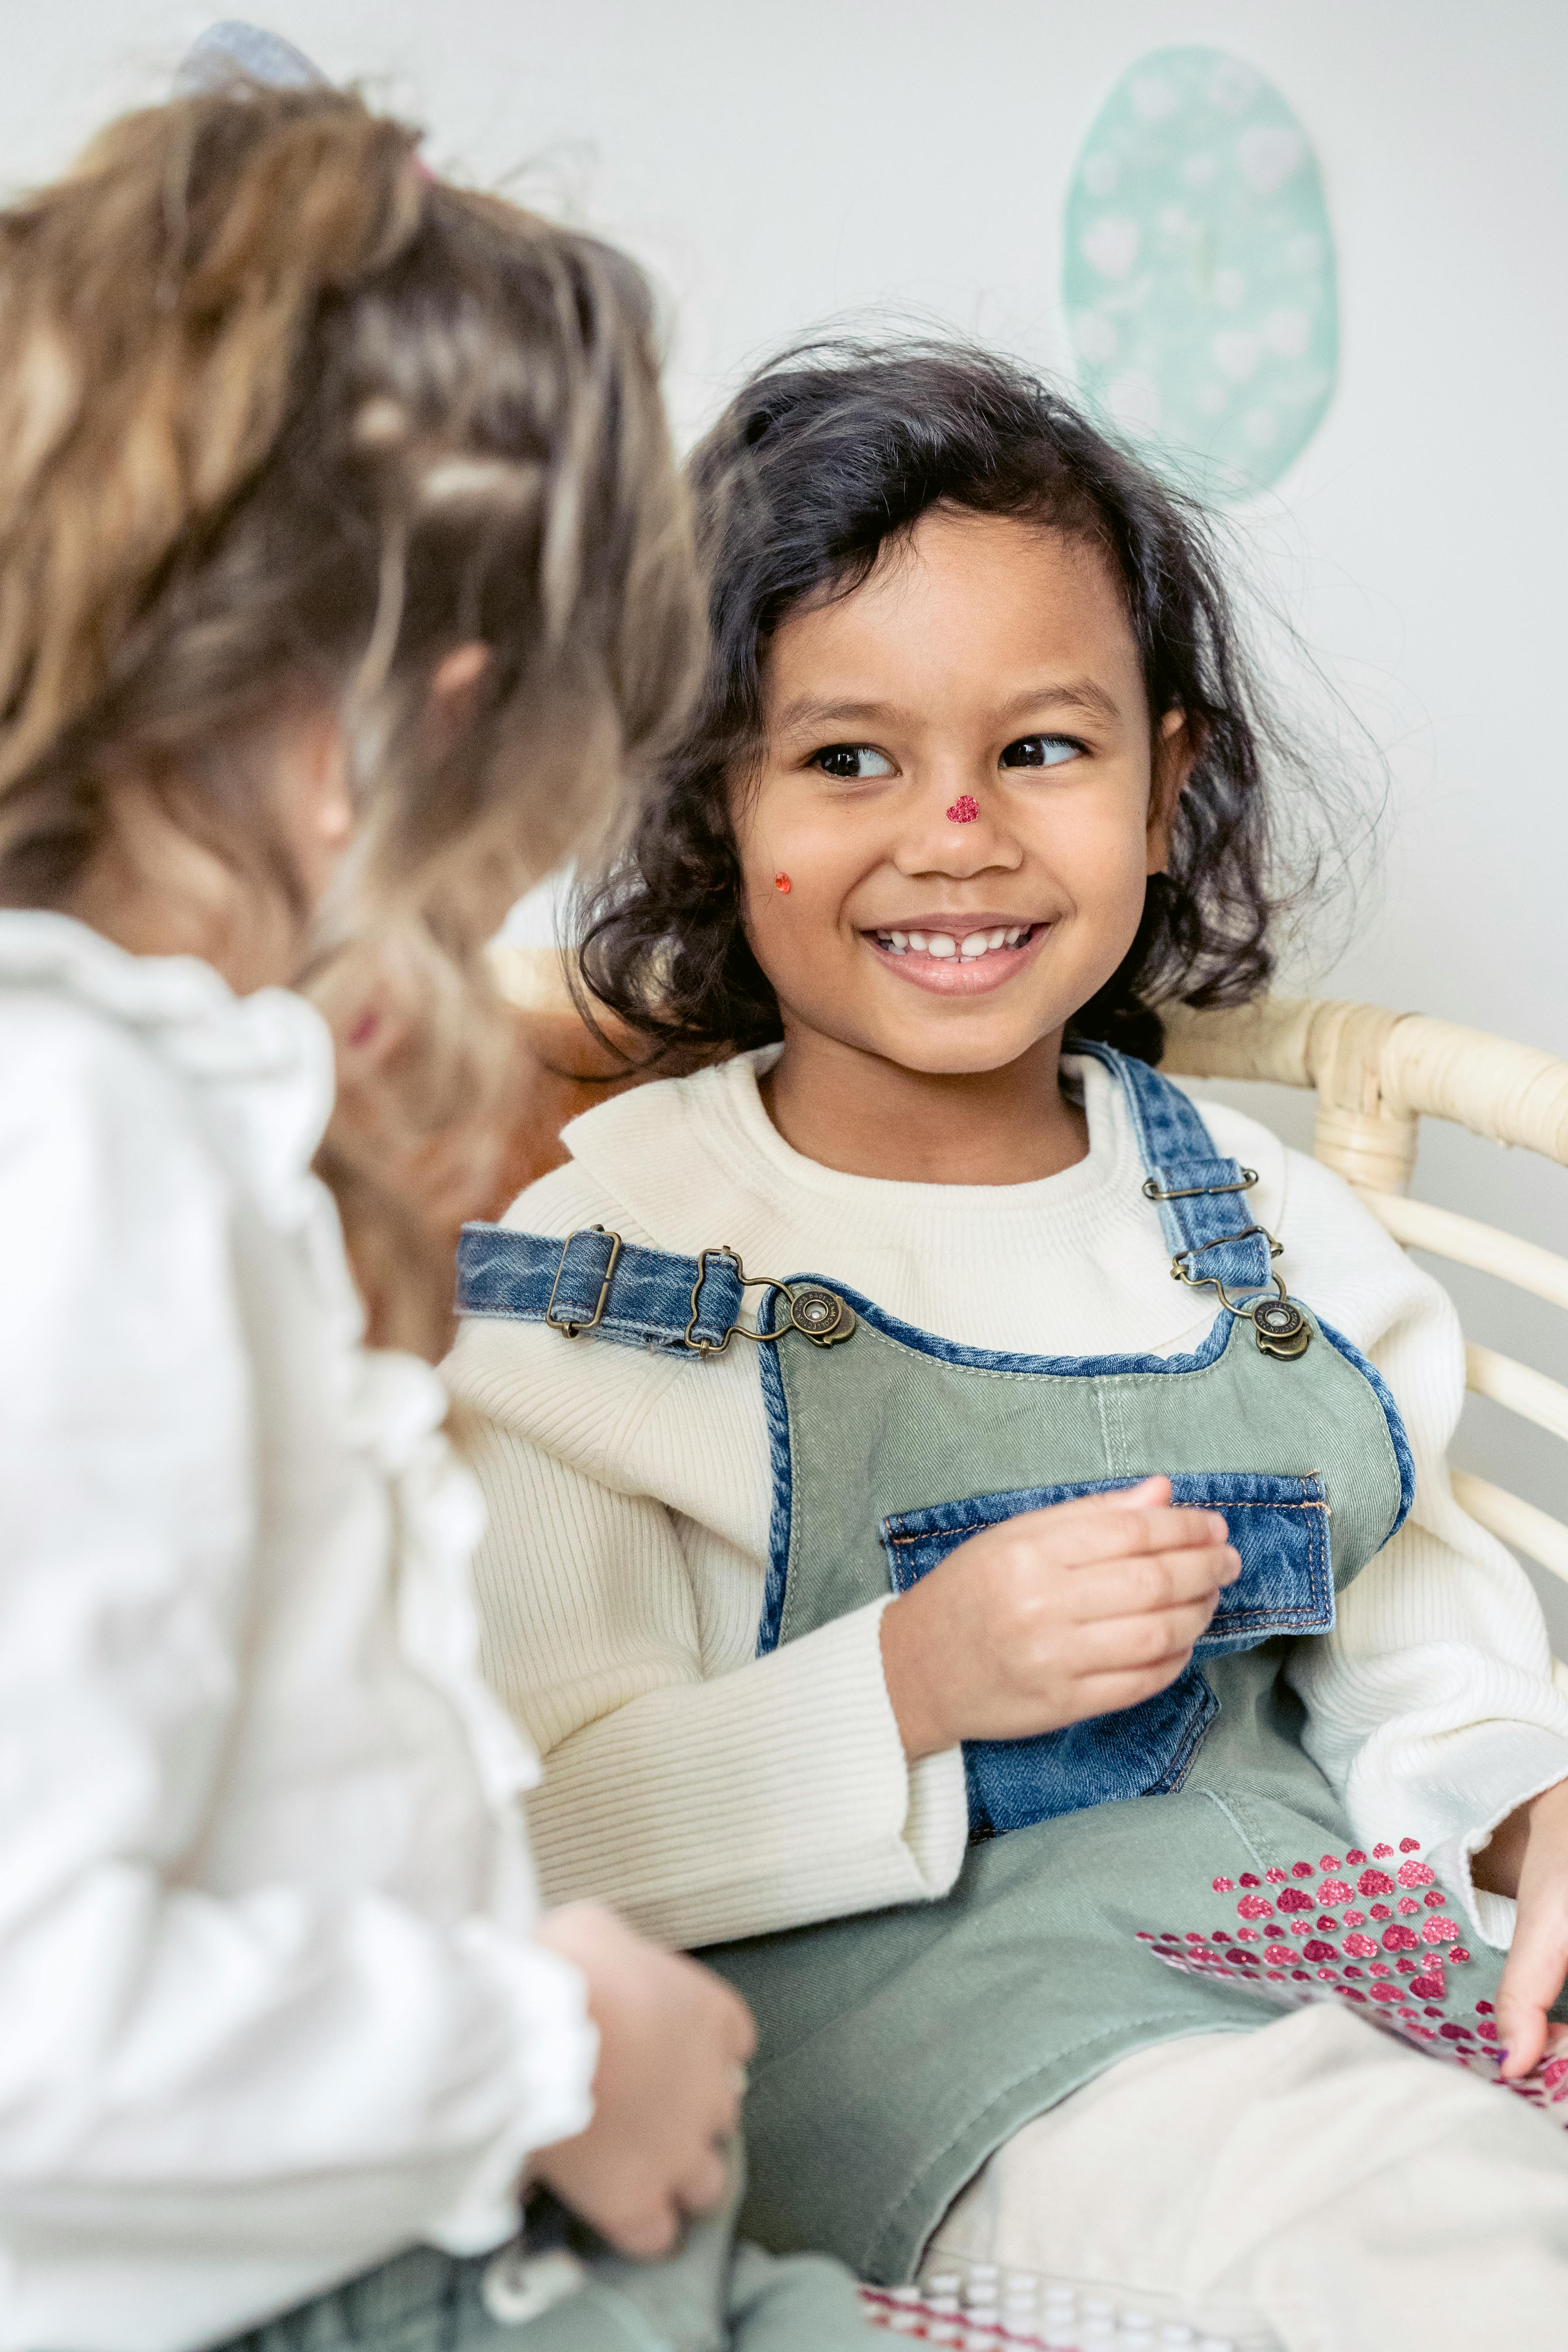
(709, 1793)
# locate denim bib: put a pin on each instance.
(890, 1447)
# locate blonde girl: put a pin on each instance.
(344, 581)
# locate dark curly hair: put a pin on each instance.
(827, 454)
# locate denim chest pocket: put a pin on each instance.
(1280, 1526)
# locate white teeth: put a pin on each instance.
(942, 944)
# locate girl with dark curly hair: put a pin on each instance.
(925, 1602)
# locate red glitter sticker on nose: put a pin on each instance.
(965, 809)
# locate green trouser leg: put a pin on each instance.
(714, 2295)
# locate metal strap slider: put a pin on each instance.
(1202, 1191)
(570, 1331)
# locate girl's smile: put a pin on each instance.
(961, 954)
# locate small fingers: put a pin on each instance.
(703, 2185)
(1133, 1588)
(741, 2035)
(1111, 1692)
(1130, 1533)
(645, 2231)
(1140, 1645)
(1532, 1979)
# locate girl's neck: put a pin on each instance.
(865, 1116)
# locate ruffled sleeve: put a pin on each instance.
(306, 2081)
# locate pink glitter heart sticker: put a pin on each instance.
(1289, 1976)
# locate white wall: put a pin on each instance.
(777, 166)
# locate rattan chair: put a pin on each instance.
(1376, 1074)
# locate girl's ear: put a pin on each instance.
(1175, 753)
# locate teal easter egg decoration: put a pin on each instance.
(1198, 270)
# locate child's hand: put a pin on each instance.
(1052, 1617)
(1528, 1856)
(673, 2044)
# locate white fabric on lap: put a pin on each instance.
(1314, 2185)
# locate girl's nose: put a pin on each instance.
(957, 833)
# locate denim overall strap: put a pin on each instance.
(636, 1298)
(1202, 1197)
(593, 1281)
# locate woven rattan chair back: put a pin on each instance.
(1377, 1074)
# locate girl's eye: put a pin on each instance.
(1041, 752)
(852, 763)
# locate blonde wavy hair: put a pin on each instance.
(283, 423)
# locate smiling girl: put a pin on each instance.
(921, 1594)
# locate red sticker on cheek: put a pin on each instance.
(781, 882)
(965, 809)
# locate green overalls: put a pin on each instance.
(900, 2048)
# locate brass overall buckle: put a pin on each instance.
(1278, 1324)
(817, 1314)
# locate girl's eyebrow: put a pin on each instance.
(1080, 694)
(806, 711)
(1071, 694)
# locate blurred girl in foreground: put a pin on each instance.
(342, 579)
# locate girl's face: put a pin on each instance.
(959, 784)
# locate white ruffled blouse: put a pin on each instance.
(270, 2008)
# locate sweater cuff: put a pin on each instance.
(763, 1800)
(936, 1824)
(1499, 1768)
(555, 2049)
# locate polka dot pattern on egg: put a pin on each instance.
(1198, 272)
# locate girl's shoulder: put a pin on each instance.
(1337, 1255)
(121, 1066)
(76, 1076)
(650, 1166)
